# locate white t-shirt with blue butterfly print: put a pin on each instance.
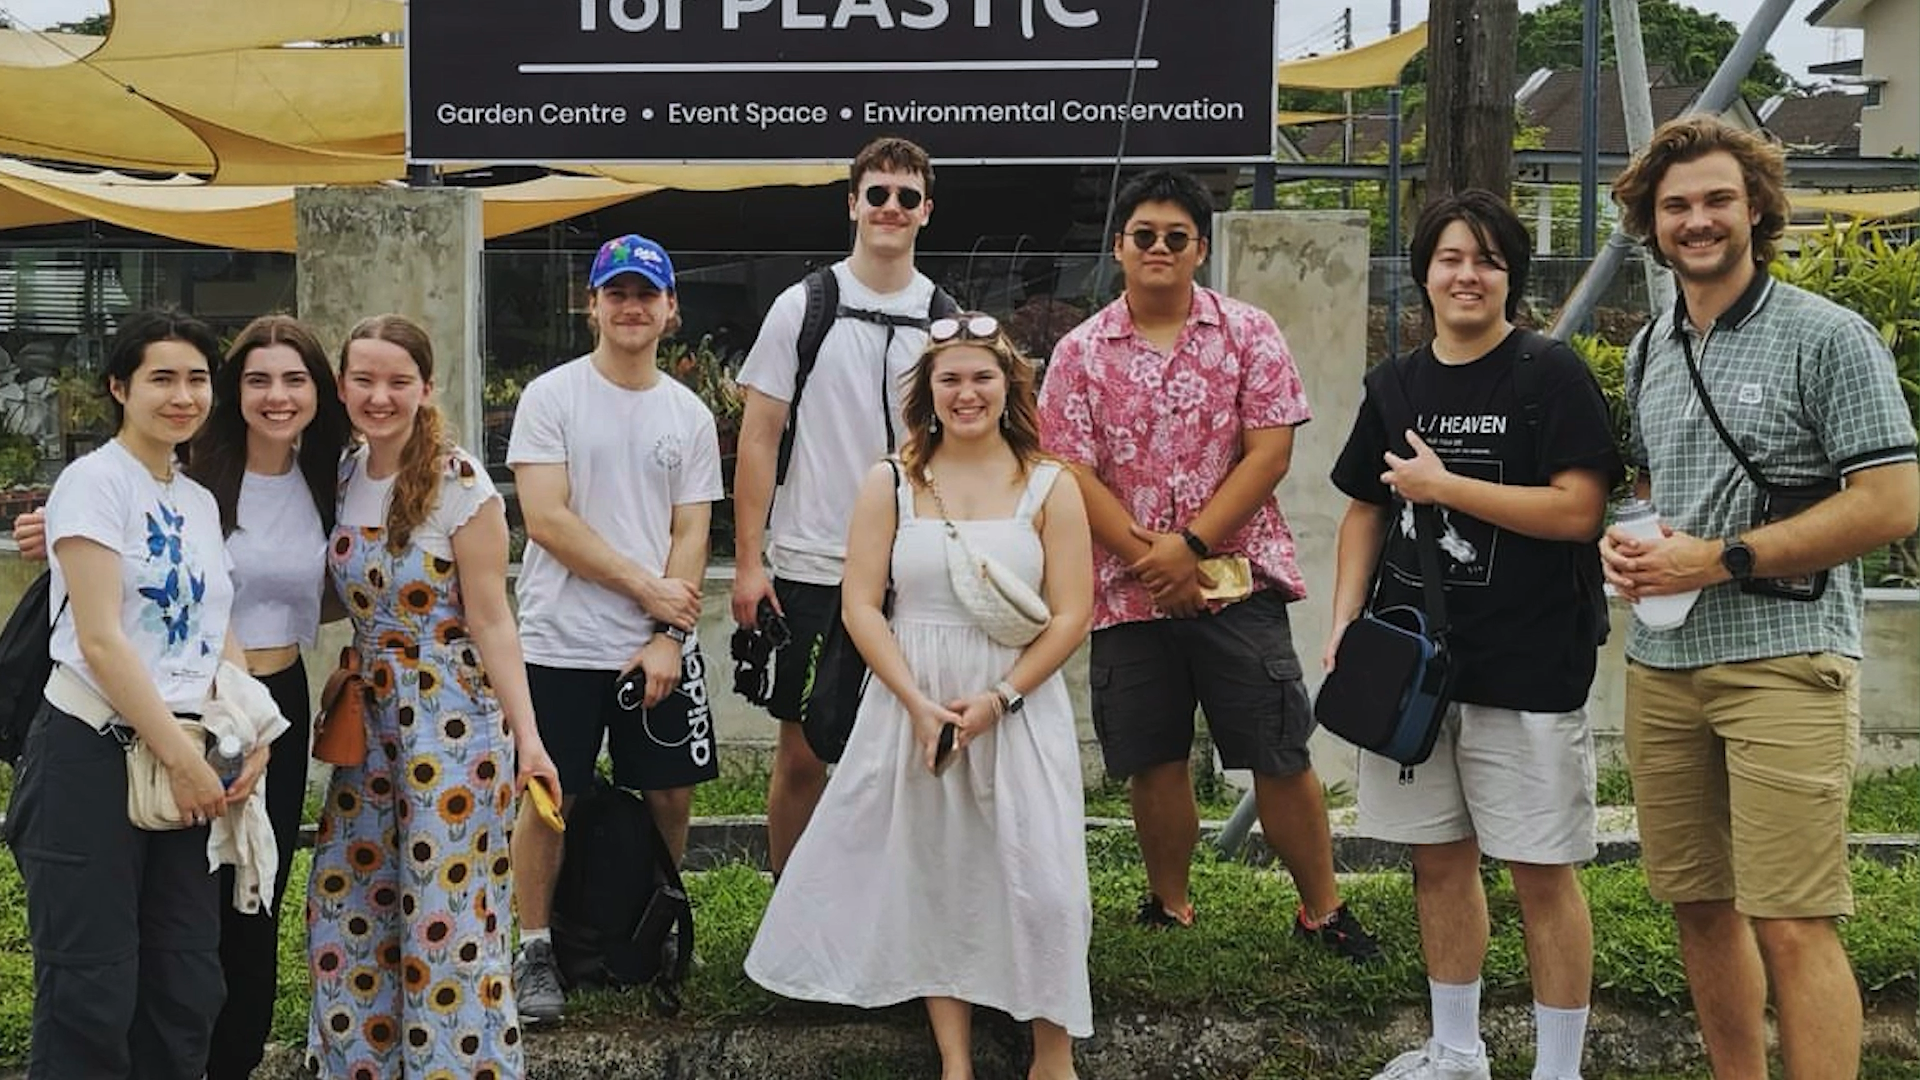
(175, 575)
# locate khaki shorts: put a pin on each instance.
(1741, 774)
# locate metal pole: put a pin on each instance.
(1589, 124)
(1393, 199)
(1233, 835)
(1713, 100)
(1636, 105)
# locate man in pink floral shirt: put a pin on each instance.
(1175, 407)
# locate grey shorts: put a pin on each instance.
(1521, 783)
(1237, 665)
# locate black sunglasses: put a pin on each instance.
(877, 195)
(1177, 239)
(972, 325)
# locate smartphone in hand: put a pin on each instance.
(943, 753)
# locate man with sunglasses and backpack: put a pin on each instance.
(617, 466)
(822, 386)
(1175, 408)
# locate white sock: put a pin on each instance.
(1456, 1016)
(527, 936)
(1560, 1035)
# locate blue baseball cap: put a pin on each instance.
(632, 254)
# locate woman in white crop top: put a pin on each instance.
(124, 921)
(270, 456)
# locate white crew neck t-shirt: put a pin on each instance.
(279, 552)
(176, 593)
(631, 457)
(841, 429)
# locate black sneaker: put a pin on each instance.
(1341, 934)
(536, 983)
(1154, 913)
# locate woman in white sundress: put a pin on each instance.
(967, 884)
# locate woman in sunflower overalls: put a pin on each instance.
(408, 904)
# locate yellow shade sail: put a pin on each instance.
(173, 74)
(261, 218)
(717, 177)
(1298, 119)
(146, 29)
(1861, 204)
(1371, 65)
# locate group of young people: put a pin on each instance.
(943, 857)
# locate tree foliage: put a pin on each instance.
(1688, 42)
(95, 25)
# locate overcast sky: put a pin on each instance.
(1795, 45)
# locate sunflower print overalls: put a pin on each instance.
(408, 902)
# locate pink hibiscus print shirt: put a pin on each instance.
(1162, 431)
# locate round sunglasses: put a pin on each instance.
(1177, 239)
(971, 326)
(877, 195)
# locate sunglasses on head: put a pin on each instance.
(1177, 239)
(877, 195)
(972, 325)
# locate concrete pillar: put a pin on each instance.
(412, 251)
(1308, 269)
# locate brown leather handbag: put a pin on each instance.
(340, 730)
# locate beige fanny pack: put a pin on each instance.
(150, 802)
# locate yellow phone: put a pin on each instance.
(545, 805)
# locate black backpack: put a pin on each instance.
(1590, 584)
(24, 663)
(620, 913)
(823, 310)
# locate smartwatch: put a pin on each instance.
(678, 635)
(1737, 557)
(1194, 543)
(1013, 698)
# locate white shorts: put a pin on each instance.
(1521, 783)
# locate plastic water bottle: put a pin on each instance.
(1638, 519)
(227, 757)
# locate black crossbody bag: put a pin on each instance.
(1392, 677)
(1777, 501)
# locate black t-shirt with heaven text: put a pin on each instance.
(1513, 602)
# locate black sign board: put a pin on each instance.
(540, 81)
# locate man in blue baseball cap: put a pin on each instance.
(617, 467)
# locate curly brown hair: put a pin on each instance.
(416, 486)
(1020, 424)
(1763, 166)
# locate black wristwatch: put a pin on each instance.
(1737, 557)
(678, 635)
(1012, 698)
(1194, 543)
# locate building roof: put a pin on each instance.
(1834, 14)
(1554, 103)
(1826, 124)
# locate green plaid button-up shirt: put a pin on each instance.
(1808, 390)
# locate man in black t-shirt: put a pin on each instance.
(1519, 464)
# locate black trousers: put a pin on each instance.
(250, 944)
(125, 924)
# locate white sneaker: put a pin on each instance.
(1436, 1062)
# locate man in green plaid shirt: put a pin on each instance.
(1743, 721)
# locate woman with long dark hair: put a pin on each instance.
(408, 904)
(948, 846)
(270, 455)
(125, 921)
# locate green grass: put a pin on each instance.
(1237, 960)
